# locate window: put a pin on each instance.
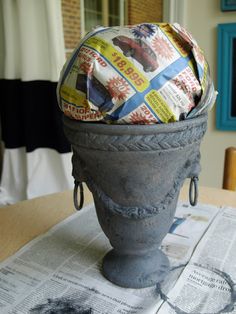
(101, 12)
(226, 99)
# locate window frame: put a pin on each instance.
(225, 121)
(105, 14)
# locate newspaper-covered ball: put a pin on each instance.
(140, 74)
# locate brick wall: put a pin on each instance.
(71, 22)
(138, 11)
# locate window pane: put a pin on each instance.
(114, 20)
(114, 7)
(95, 5)
(95, 14)
(233, 102)
(92, 20)
(92, 14)
(114, 12)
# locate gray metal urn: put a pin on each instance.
(135, 173)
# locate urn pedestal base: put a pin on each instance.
(135, 271)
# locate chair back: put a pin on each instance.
(229, 179)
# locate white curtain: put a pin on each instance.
(36, 158)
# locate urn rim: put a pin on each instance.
(133, 129)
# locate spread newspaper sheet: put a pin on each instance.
(59, 272)
(208, 282)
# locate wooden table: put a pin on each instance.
(22, 222)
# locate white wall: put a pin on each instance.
(201, 18)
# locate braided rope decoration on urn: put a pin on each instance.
(86, 138)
